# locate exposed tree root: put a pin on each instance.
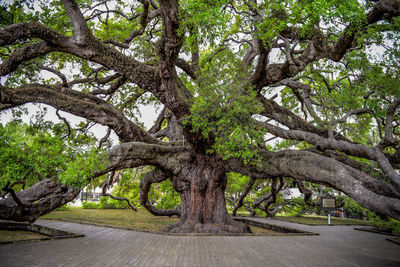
(191, 226)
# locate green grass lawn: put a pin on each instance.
(6, 235)
(124, 218)
(309, 219)
(322, 220)
(141, 219)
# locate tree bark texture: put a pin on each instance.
(37, 200)
(201, 185)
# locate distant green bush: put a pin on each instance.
(109, 203)
(104, 203)
(90, 205)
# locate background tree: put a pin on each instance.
(127, 188)
(320, 78)
(51, 168)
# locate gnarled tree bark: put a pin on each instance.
(201, 185)
(36, 201)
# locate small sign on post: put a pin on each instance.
(328, 204)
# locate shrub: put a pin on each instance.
(104, 204)
(119, 204)
(109, 203)
(90, 205)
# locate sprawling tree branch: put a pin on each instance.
(246, 191)
(358, 150)
(77, 103)
(20, 55)
(384, 9)
(186, 67)
(37, 200)
(22, 31)
(81, 31)
(134, 154)
(388, 139)
(113, 87)
(65, 122)
(113, 179)
(172, 91)
(10, 191)
(303, 95)
(155, 176)
(307, 166)
(286, 117)
(307, 194)
(144, 19)
(318, 48)
(173, 131)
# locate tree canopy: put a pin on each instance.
(306, 90)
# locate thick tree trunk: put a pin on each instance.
(203, 208)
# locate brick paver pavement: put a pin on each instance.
(335, 246)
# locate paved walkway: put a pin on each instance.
(335, 246)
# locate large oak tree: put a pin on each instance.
(269, 89)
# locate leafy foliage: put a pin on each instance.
(223, 111)
(109, 203)
(35, 152)
(169, 198)
(162, 195)
(90, 205)
(203, 19)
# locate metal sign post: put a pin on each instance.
(328, 204)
